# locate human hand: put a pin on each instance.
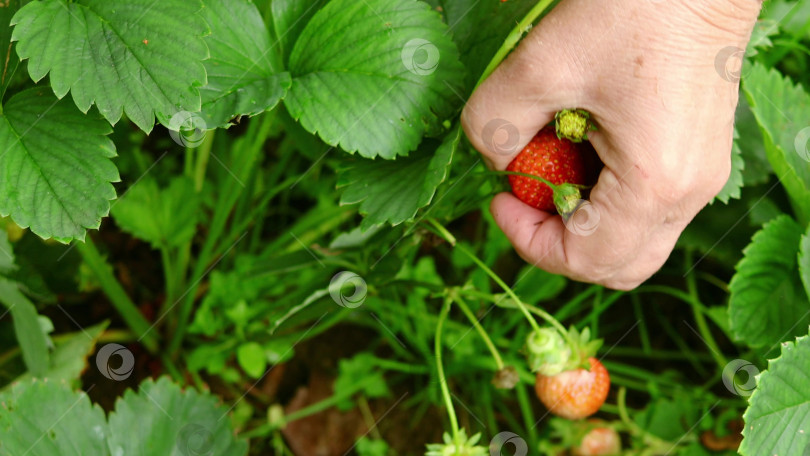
(646, 71)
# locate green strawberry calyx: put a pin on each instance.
(550, 353)
(567, 197)
(573, 124)
(460, 445)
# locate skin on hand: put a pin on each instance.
(648, 72)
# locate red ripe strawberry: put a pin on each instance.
(574, 394)
(555, 160)
(599, 441)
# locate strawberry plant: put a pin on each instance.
(260, 227)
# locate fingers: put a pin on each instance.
(521, 95)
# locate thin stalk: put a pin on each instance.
(437, 347)
(700, 319)
(514, 37)
(117, 296)
(480, 329)
(203, 154)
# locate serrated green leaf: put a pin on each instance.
(244, 75)
(393, 191)
(767, 303)
(141, 57)
(69, 357)
(163, 419)
(374, 76)
(252, 359)
(289, 19)
(47, 418)
(33, 341)
(162, 217)
(8, 58)
(804, 261)
(735, 179)
(748, 138)
(777, 420)
(480, 28)
(55, 167)
(781, 108)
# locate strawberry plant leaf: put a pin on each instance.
(393, 191)
(141, 57)
(289, 19)
(244, 75)
(69, 357)
(767, 302)
(55, 168)
(780, 108)
(375, 76)
(69, 426)
(252, 359)
(33, 341)
(159, 419)
(162, 217)
(778, 416)
(480, 28)
(8, 57)
(184, 422)
(735, 180)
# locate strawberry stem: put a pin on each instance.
(437, 346)
(513, 38)
(480, 329)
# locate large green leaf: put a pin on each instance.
(162, 419)
(32, 339)
(48, 418)
(479, 28)
(41, 418)
(55, 167)
(142, 57)
(767, 303)
(781, 108)
(163, 217)
(244, 75)
(289, 19)
(374, 76)
(778, 417)
(393, 191)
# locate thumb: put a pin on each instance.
(522, 94)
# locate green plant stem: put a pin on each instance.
(527, 412)
(440, 230)
(203, 154)
(700, 319)
(480, 329)
(513, 38)
(118, 297)
(437, 347)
